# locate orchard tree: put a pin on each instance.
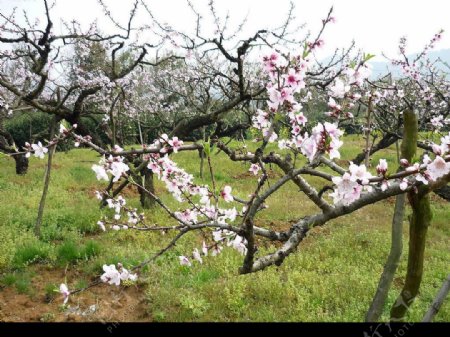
(220, 78)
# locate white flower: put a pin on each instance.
(117, 169)
(339, 89)
(196, 255)
(125, 275)
(216, 250)
(217, 235)
(62, 129)
(359, 173)
(111, 275)
(239, 243)
(64, 291)
(39, 150)
(283, 144)
(438, 168)
(422, 179)
(100, 172)
(204, 249)
(384, 185)
(309, 148)
(184, 261)
(437, 122)
(230, 214)
(101, 225)
(404, 184)
(347, 190)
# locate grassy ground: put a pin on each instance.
(331, 277)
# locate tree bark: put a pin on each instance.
(392, 262)
(443, 192)
(147, 201)
(408, 150)
(21, 164)
(37, 227)
(202, 156)
(419, 222)
(437, 302)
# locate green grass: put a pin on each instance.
(21, 281)
(332, 276)
(31, 253)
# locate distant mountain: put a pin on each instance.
(382, 68)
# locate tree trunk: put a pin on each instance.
(437, 302)
(418, 226)
(408, 150)
(202, 156)
(37, 227)
(147, 201)
(443, 192)
(21, 164)
(392, 262)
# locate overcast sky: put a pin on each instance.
(375, 25)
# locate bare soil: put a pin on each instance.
(102, 303)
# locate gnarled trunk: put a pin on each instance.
(21, 164)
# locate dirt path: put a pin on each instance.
(102, 303)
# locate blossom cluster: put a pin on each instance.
(350, 186)
(220, 238)
(112, 275)
(114, 165)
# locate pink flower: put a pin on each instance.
(294, 80)
(187, 216)
(301, 119)
(226, 194)
(438, 168)
(404, 184)
(184, 261)
(346, 191)
(309, 148)
(175, 143)
(437, 149)
(254, 169)
(382, 167)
